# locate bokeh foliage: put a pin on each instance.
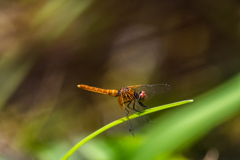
(48, 47)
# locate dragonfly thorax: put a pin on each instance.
(128, 94)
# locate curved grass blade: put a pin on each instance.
(119, 121)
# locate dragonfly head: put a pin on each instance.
(142, 96)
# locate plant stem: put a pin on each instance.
(114, 123)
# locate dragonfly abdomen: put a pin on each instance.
(110, 92)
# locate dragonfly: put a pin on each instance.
(131, 98)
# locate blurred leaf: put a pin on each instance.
(182, 127)
(57, 16)
(13, 69)
(119, 121)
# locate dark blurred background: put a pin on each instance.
(49, 47)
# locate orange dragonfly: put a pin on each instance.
(131, 98)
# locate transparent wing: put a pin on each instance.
(152, 89)
(133, 107)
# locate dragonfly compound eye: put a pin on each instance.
(142, 96)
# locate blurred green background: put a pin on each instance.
(49, 47)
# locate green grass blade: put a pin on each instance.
(114, 123)
(179, 129)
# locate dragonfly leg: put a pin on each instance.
(126, 112)
(130, 128)
(129, 102)
(134, 108)
(149, 120)
(143, 105)
(121, 102)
